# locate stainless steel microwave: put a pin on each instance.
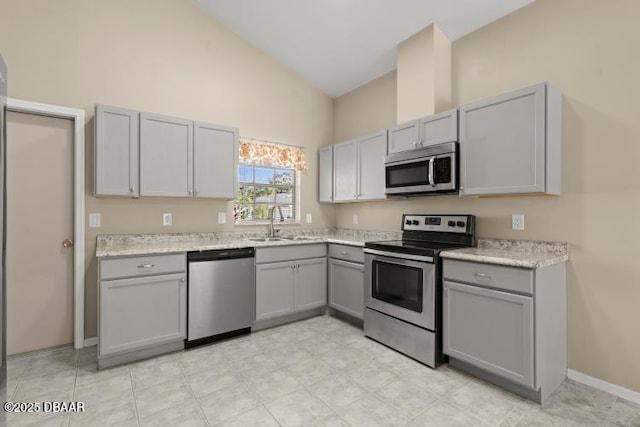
(429, 170)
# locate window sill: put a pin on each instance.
(276, 224)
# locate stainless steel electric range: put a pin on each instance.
(403, 282)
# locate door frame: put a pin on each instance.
(56, 111)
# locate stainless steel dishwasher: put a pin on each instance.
(221, 294)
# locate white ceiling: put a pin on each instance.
(339, 45)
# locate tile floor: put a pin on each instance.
(319, 372)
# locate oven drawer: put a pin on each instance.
(493, 276)
(347, 253)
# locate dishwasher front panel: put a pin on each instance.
(221, 297)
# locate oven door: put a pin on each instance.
(401, 285)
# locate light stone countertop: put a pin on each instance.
(513, 253)
(149, 244)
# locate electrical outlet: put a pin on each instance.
(167, 219)
(94, 220)
(222, 217)
(517, 221)
(356, 220)
(308, 218)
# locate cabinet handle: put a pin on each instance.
(182, 280)
(132, 189)
(344, 253)
(146, 266)
(482, 276)
(196, 192)
(190, 192)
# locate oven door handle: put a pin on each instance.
(432, 179)
(399, 255)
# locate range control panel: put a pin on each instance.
(441, 223)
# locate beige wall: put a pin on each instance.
(354, 115)
(585, 48)
(167, 57)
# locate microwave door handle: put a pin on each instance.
(432, 179)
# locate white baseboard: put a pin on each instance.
(90, 342)
(594, 382)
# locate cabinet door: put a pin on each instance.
(371, 175)
(141, 312)
(346, 287)
(310, 284)
(166, 156)
(502, 144)
(274, 290)
(215, 161)
(492, 330)
(403, 137)
(345, 182)
(325, 179)
(116, 150)
(439, 128)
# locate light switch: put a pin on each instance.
(308, 218)
(222, 217)
(94, 220)
(167, 219)
(356, 219)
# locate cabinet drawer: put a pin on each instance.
(493, 276)
(142, 266)
(289, 253)
(348, 253)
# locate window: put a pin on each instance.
(268, 175)
(262, 187)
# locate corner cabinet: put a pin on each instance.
(435, 129)
(142, 307)
(507, 325)
(325, 174)
(116, 150)
(358, 168)
(511, 144)
(290, 279)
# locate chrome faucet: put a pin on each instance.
(272, 211)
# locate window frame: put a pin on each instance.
(295, 194)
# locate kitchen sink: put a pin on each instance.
(266, 239)
(299, 238)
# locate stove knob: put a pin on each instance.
(407, 222)
(461, 224)
(415, 222)
(451, 223)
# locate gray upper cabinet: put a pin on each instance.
(438, 128)
(345, 178)
(116, 149)
(511, 144)
(325, 179)
(404, 137)
(371, 176)
(435, 129)
(215, 161)
(166, 156)
(358, 168)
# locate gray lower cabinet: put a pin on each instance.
(290, 279)
(346, 287)
(116, 149)
(511, 143)
(507, 325)
(142, 307)
(274, 290)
